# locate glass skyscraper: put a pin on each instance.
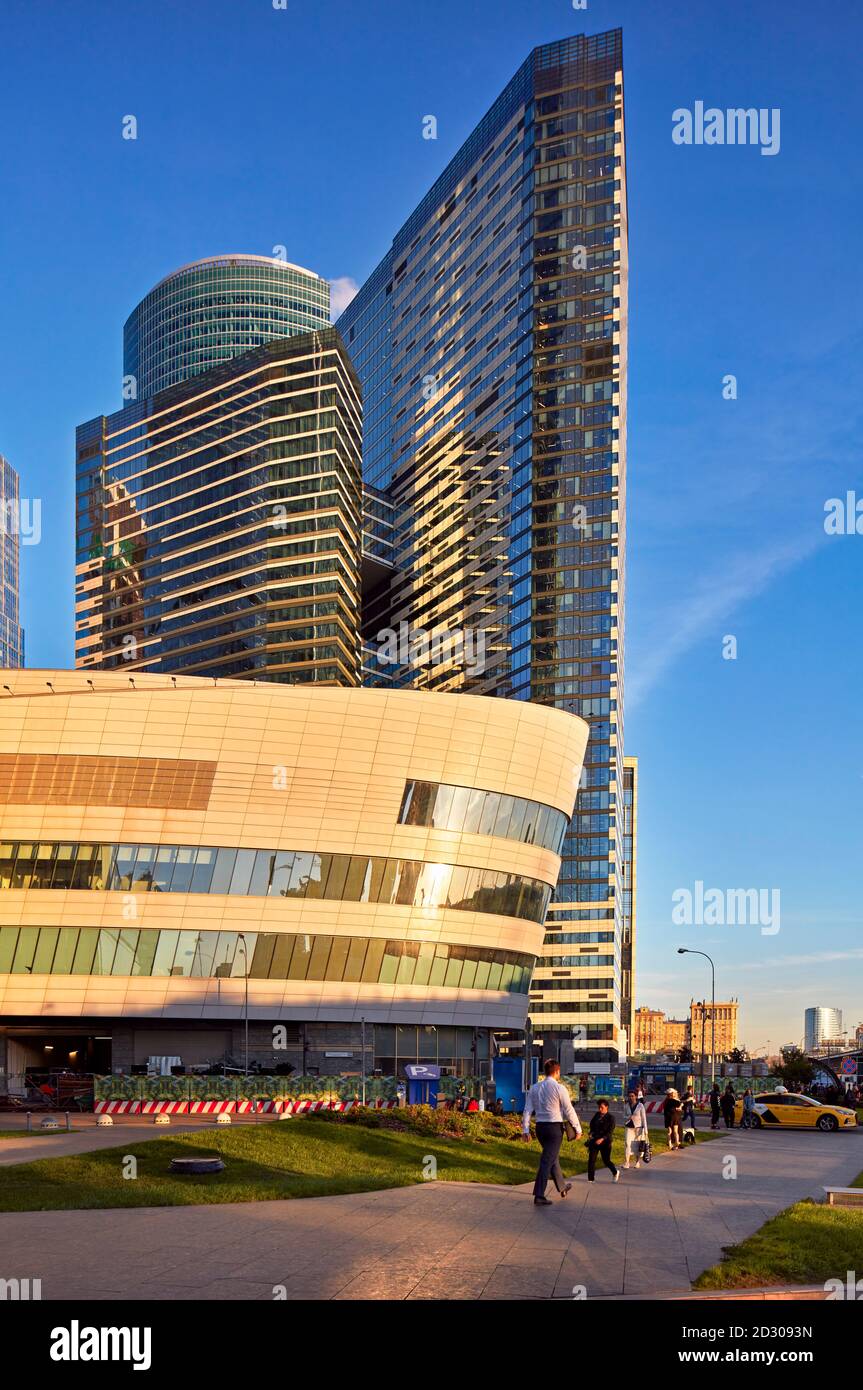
(11, 632)
(211, 311)
(491, 344)
(218, 522)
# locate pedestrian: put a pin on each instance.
(748, 1108)
(671, 1113)
(727, 1104)
(688, 1116)
(550, 1101)
(497, 1108)
(599, 1142)
(714, 1106)
(635, 1130)
(473, 1105)
(582, 1090)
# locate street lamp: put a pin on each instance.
(686, 951)
(241, 937)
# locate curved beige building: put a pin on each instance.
(168, 843)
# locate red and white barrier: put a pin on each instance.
(229, 1107)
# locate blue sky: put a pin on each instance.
(302, 127)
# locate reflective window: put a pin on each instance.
(279, 873)
(477, 812)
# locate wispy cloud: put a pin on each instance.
(342, 291)
(713, 600)
(815, 958)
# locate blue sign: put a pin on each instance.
(608, 1085)
(418, 1071)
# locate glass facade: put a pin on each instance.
(11, 632)
(263, 955)
(491, 344)
(218, 524)
(209, 312)
(475, 812)
(285, 873)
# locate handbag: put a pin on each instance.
(569, 1130)
(644, 1150)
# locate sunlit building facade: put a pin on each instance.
(359, 873)
(491, 344)
(218, 522)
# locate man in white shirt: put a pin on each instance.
(550, 1101)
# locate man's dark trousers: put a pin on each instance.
(602, 1151)
(550, 1137)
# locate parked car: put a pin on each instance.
(777, 1109)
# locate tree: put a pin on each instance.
(738, 1055)
(684, 1054)
(795, 1067)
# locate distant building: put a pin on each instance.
(719, 1039)
(653, 1032)
(819, 1025)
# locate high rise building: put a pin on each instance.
(11, 632)
(717, 1023)
(629, 817)
(491, 344)
(821, 1025)
(219, 521)
(211, 311)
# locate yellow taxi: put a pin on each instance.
(780, 1109)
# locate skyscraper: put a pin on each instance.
(821, 1025)
(218, 522)
(11, 632)
(211, 311)
(491, 344)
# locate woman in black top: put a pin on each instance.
(599, 1143)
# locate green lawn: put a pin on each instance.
(313, 1157)
(24, 1134)
(805, 1244)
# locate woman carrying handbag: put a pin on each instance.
(635, 1131)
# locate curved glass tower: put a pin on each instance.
(210, 311)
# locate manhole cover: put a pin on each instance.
(196, 1165)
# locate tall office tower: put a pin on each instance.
(11, 632)
(213, 310)
(218, 522)
(821, 1025)
(491, 345)
(629, 828)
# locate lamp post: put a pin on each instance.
(363, 1067)
(241, 937)
(686, 951)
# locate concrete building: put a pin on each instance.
(653, 1032)
(719, 1027)
(172, 847)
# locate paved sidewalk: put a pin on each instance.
(651, 1233)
